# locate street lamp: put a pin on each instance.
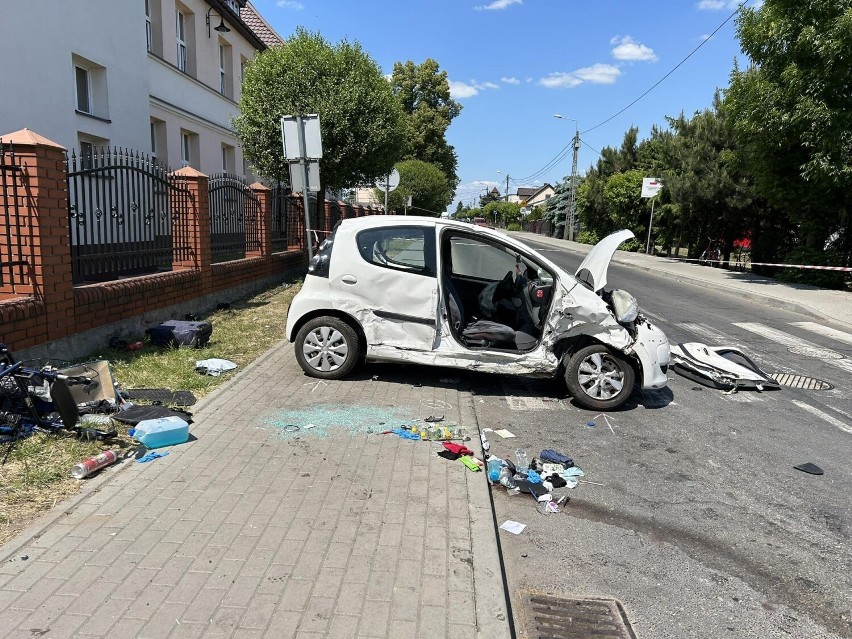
(568, 233)
(221, 28)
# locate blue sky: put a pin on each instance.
(513, 64)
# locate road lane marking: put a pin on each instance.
(825, 331)
(824, 416)
(798, 345)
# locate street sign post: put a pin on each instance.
(302, 141)
(388, 184)
(650, 188)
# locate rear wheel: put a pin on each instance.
(327, 347)
(599, 379)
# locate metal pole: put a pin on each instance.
(303, 164)
(387, 188)
(650, 224)
(572, 198)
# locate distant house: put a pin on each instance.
(531, 197)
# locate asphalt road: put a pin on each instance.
(696, 520)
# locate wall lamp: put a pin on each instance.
(221, 28)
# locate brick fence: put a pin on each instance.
(44, 307)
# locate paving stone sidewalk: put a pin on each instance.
(255, 529)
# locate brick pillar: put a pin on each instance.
(191, 224)
(264, 220)
(41, 227)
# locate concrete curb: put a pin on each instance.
(494, 619)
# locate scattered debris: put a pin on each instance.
(471, 462)
(151, 456)
(92, 465)
(214, 366)
(809, 468)
(514, 527)
(434, 419)
(505, 434)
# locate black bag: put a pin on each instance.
(181, 333)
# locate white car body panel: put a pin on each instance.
(413, 324)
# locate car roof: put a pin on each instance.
(372, 221)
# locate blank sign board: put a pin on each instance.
(297, 179)
(310, 129)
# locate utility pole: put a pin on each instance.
(507, 187)
(572, 197)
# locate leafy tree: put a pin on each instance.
(502, 213)
(622, 192)
(424, 183)
(424, 93)
(793, 112)
(489, 196)
(361, 119)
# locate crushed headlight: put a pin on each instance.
(624, 306)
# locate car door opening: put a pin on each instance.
(494, 298)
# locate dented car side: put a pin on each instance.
(385, 289)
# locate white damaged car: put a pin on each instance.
(439, 292)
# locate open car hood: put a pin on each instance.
(593, 269)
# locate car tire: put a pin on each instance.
(599, 379)
(327, 348)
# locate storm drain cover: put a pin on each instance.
(798, 381)
(551, 617)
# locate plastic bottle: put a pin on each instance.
(506, 477)
(521, 462)
(485, 445)
(495, 468)
(163, 431)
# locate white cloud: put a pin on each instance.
(595, 74)
(628, 49)
(496, 5)
(510, 80)
(718, 5)
(560, 81)
(290, 4)
(469, 89)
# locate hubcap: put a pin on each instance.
(325, 349)
(600, 376)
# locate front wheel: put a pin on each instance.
(599, 379)
(327, 347)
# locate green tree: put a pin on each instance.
(792, 110)
(424, 183)
(623, 197)
(361, 119)
(424, 93)
(489, 196)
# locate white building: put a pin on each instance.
(158, 76)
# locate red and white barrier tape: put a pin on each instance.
(845, 269)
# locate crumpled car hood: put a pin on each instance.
(594, 268)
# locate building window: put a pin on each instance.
(153, 139)
(186, 148)
(84, 89)
(222, 75)
(149, 31)
(87, 151)
(181, 41)
(90, 87)
(228, 159)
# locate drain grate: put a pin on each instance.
(563, 618)
(799, 381)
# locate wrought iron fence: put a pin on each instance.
(13, 265)
(234, 221)
(120, 211)
(285, 220)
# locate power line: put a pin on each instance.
(564, 151)
(591, 147)
(676, 67)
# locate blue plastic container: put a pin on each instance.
(160, 432)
